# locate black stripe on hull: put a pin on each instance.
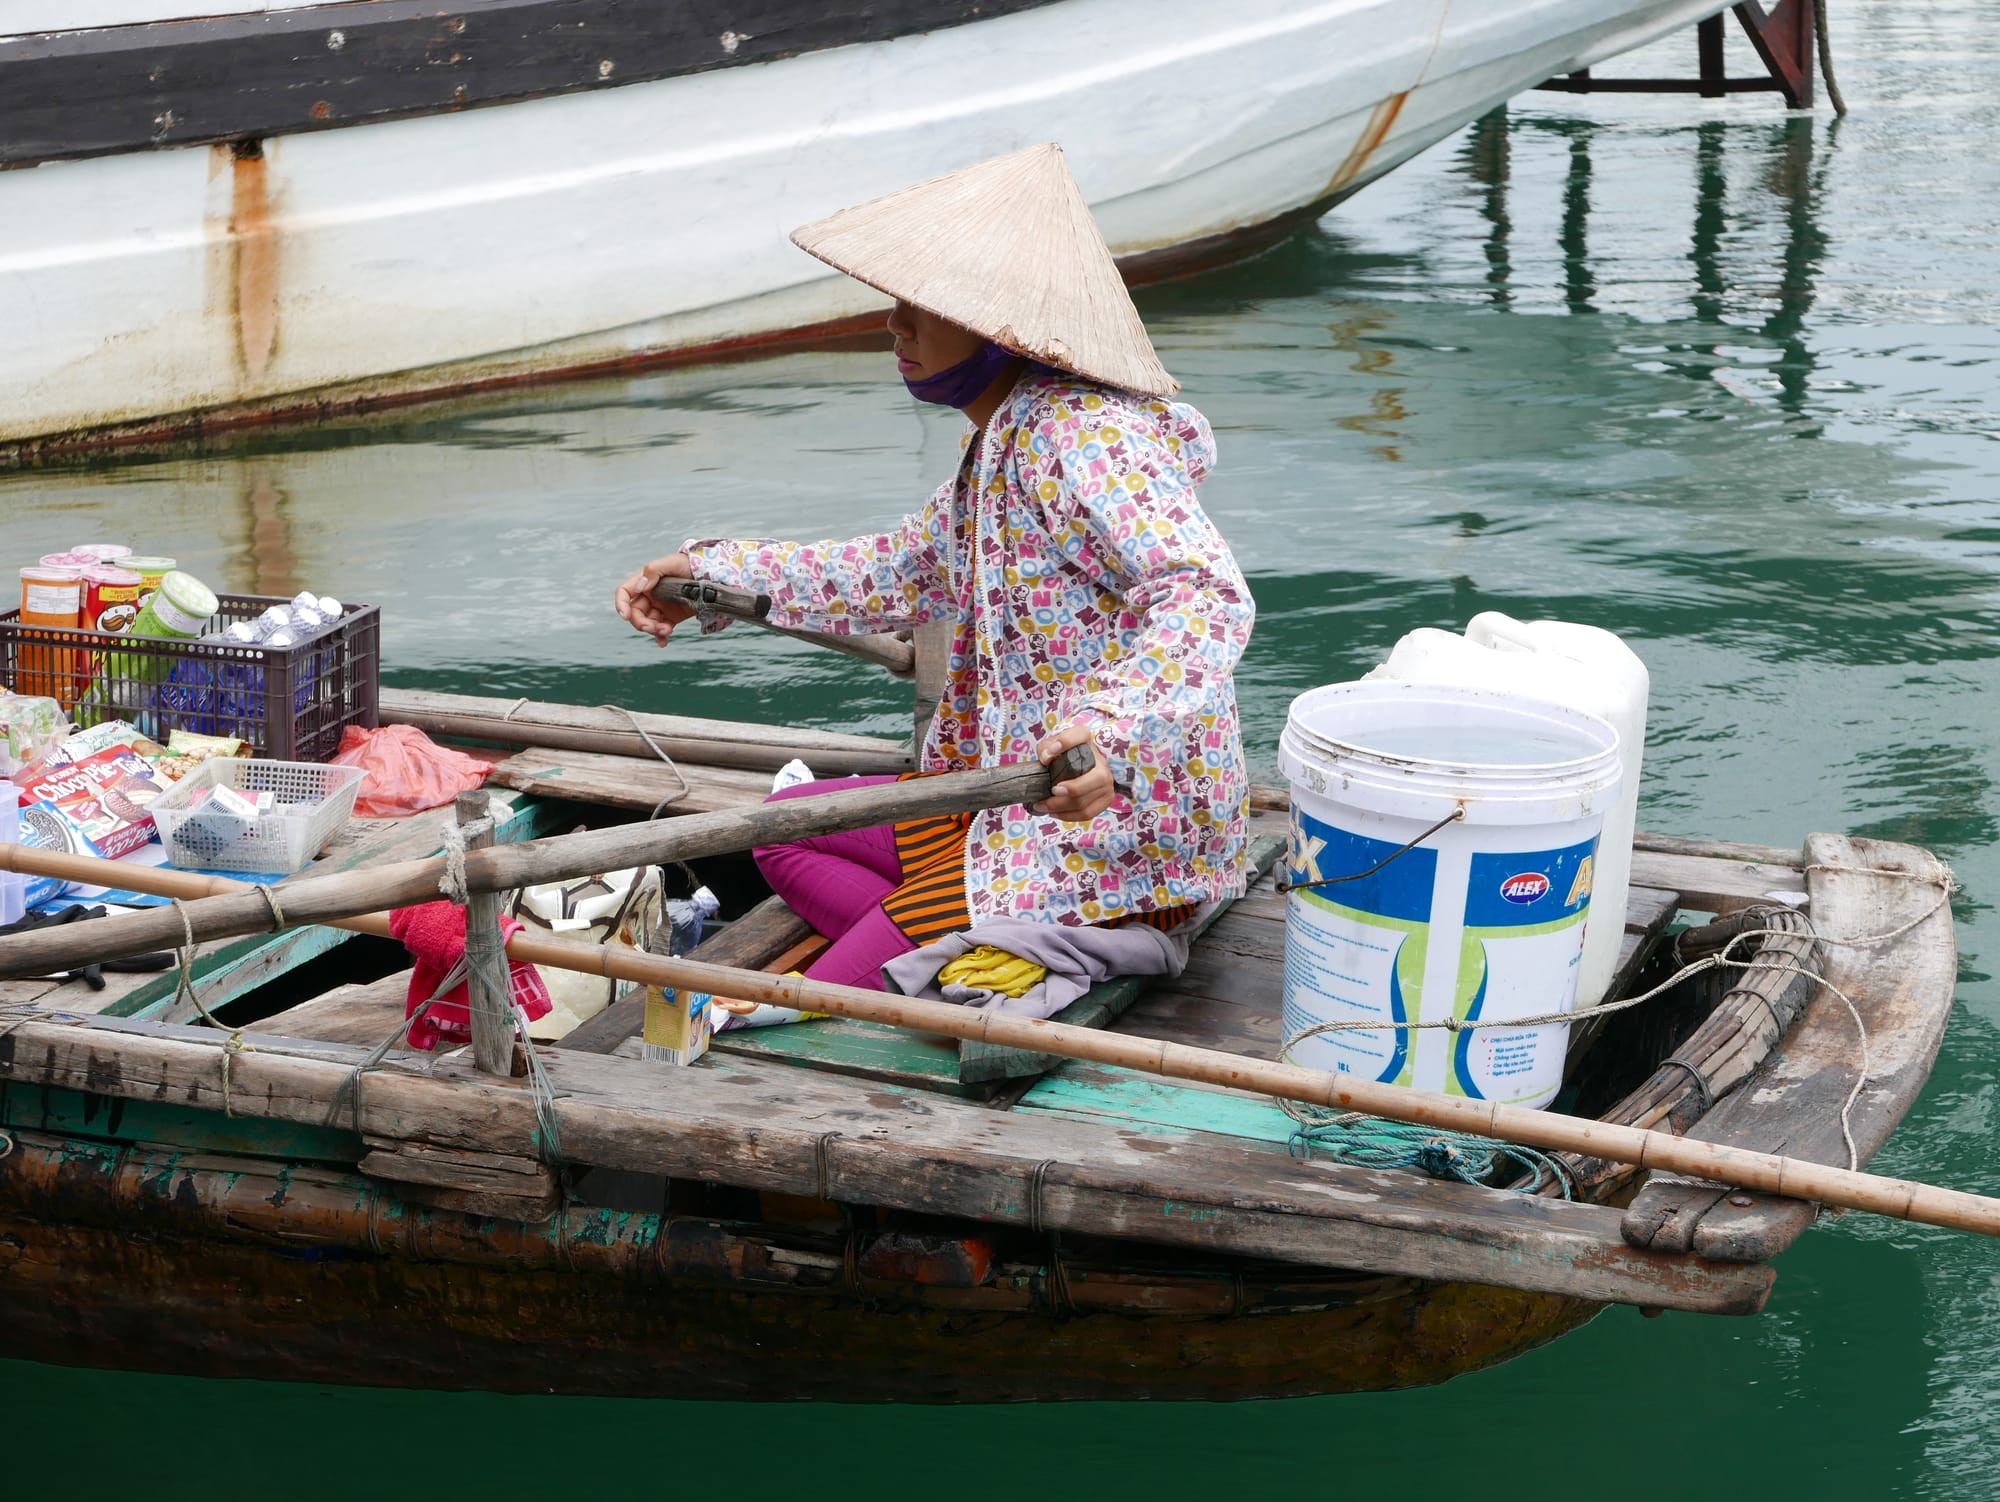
(186, 83)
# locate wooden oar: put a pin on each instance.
(1769, 1173)
(503, 868)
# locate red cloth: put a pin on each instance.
(434, 933)
(408, 772)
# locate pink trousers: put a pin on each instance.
(836, 882)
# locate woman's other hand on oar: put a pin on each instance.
(1082, 797)
(634, 598)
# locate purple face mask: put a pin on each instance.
(964, 382)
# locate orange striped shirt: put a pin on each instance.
(929, 901)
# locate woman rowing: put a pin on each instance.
(1091, 598)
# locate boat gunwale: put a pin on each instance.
(113, 90)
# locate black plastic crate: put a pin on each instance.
(290, 703)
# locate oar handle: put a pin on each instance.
(719, 599)
(1071, 762)
(887, 651)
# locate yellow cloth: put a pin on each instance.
(993, 969)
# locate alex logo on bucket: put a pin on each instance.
(1525, 887)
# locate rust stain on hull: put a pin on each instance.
(254, 247)
(1381, 120)
(231, 271)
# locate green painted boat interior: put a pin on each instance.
(232, 970)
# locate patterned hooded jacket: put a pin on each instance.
(1086, 583)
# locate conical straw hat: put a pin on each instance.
(1007, 249)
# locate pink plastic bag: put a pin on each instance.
(408, 772)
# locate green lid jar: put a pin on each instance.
(178, 610)
(151, 569)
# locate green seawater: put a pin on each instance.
(1718, 378)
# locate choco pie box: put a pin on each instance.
(105, 796)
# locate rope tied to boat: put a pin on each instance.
(823, 1165)
(1704, 1092)
(548, 1127)
(184, 990)
(19, 1013)
(1364, 1141)
(1825, 48)
(456, 839)
(644, 735)
(1037, 1183)
(452, 884)
(541, 1087)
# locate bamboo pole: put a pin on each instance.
(505, 867)
(1769, 1173)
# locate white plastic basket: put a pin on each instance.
(313, 804)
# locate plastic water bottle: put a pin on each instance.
(790, 775)
(685, 918)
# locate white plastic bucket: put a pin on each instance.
(1561, 662)
(1483, 920)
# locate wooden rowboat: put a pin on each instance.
(836, 1210)
(258, 209)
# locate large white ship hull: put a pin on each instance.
(174, 288)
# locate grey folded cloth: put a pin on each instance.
(1076, 958)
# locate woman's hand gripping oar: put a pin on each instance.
(662, 595)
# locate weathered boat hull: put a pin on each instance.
(79, 1294)
(282, 274)
(213, 1257)
(828, 1213)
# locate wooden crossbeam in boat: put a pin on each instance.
(611, 732)
(626, 782)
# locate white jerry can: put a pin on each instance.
(1578, 667)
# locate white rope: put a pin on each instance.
(13, 1014)
(456, 837)
(639, 730)
(658, 750)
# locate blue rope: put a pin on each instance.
(1372, 1142)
